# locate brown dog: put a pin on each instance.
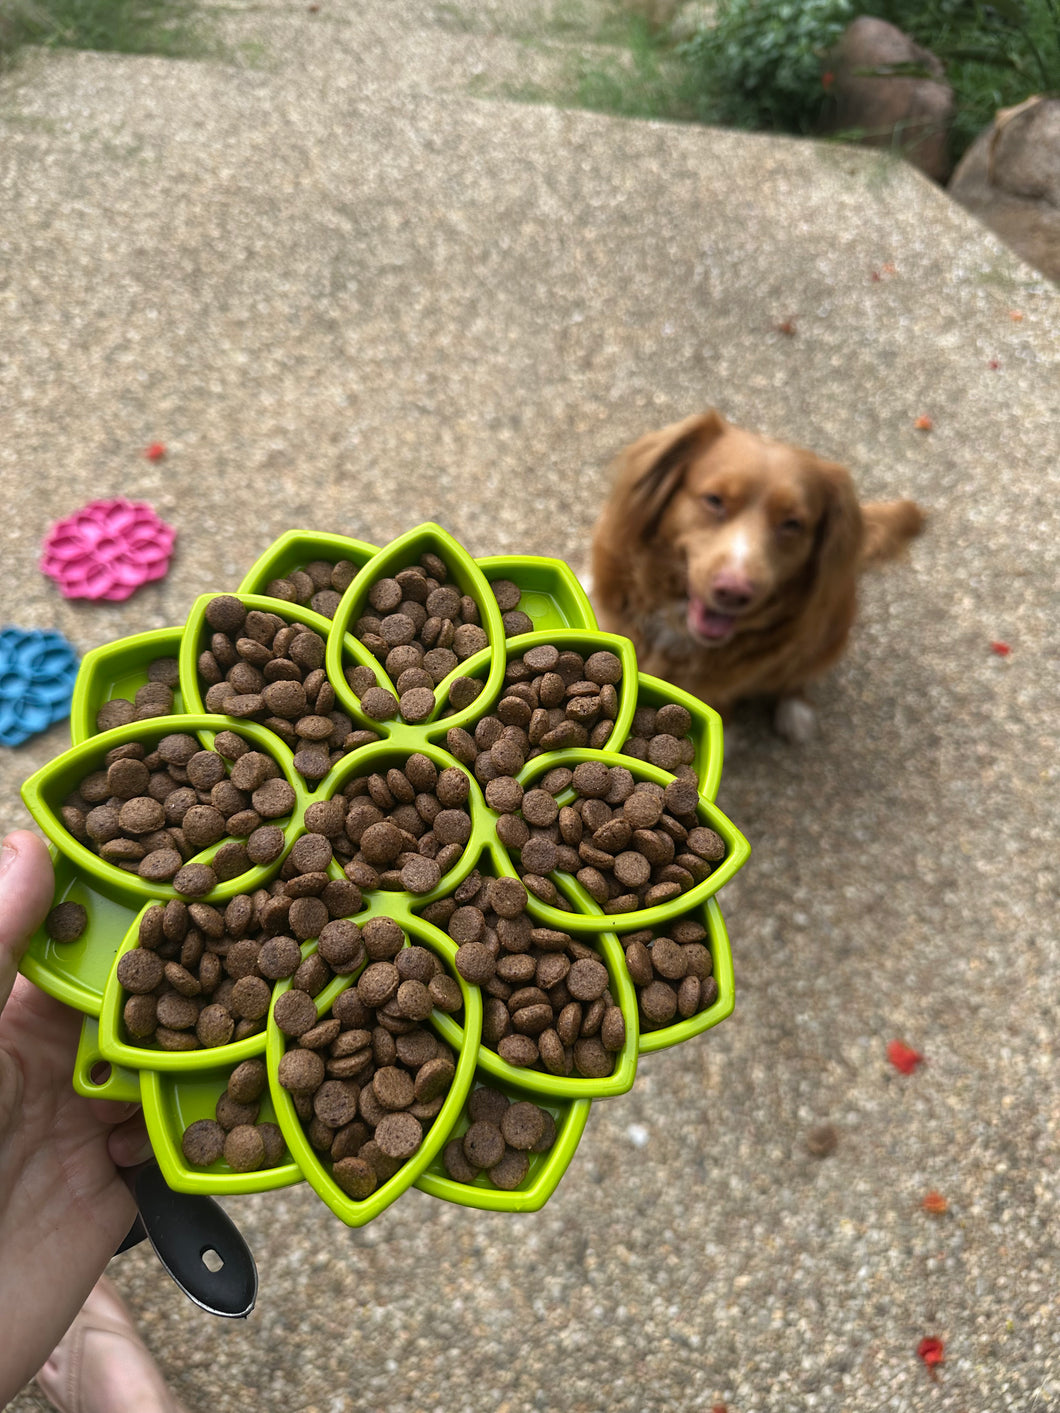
(732, 562)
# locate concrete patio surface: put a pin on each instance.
(347, 295)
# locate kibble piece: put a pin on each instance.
(244, 1149)
(140, 1015)
(483, 1144)
(195, 880)
(301, 1071)
(518, 1050)
(456, 1162)
(591, 1059)
(356, 1177)
(393, 1087)
(511, 1171)
(203, 1143)
(214, 1026)
(475, 963)
(294, 1012)
(587, 979)
(66, 922)
(658, 1001)
(140, 971)
(522, 1125)
(398, 1136)
(247, 1081)
(613, 1029)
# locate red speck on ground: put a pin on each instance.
(903, 1057)
(1001, 649)
(932, 1352)
(923, 424)
(155, 451)
(786, 326)
(934, 1203)
(995, 364)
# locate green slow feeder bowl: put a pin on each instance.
(545, 1170)
(176, 1088)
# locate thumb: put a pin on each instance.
(26, 887)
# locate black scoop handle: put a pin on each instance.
(184, 1228)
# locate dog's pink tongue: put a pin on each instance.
(706, 623)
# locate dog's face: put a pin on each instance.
(755, 526)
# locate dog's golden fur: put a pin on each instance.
(732, 561)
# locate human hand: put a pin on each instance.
(64, 1207)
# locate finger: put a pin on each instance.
(128, 1144)
(112, 1111)
(26, 888)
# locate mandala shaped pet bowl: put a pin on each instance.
(38, 668)
(391, 863)
(107, 549)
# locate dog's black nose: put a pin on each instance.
(732, 591)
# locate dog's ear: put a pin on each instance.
(651, 470)
(840, 532)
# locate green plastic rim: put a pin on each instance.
(95, 1077)
(45, 791)
(737, 851)
(119, 670)
(546, 1169)
(717, 942)
(173, 1101)
(551, 595)
(400, 554)
(707, 734)
(564, 1086)
(76, 972)
(295, 550)
(349, 1210)
(118, 1050)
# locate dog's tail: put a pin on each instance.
(889, 526)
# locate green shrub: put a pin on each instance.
(760, 63)
(172, 27)
(996, 55)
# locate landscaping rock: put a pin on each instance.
(1010, 179)
(880, 104)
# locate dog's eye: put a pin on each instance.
(714, 503)
(791, 526)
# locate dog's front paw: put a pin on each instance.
(795, 720)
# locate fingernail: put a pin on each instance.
(8, 854)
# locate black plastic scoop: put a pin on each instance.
(197, 1242)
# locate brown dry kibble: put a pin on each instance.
(483, 1144)
(140, 971)
(244, 1149)
(294, 1012)
(66, 922)
(356, 1177)
(301, 1071)
(511, 1171)
(195, 880)
(399, 1135)
(248, 1081)
(203, 1143)
(522, 1125)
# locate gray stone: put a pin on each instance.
(879, 105)
(1010, 179)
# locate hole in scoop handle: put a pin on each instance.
(185, 1227)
